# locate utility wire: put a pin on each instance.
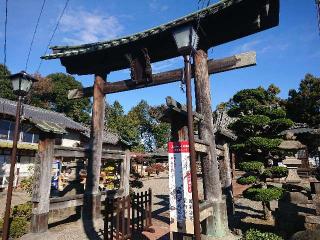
(318, 13)
(34, 34)
(5, 35)
(53, 33)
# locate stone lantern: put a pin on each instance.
(292, 163)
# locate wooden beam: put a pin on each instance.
(242, 60)
(181, 108)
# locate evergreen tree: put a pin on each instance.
(260, 119)
(5, 83)
(304, 105)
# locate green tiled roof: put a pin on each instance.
(51, 127)
(219, 23)
(66, 51)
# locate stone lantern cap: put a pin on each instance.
(291, 145)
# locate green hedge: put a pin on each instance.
(256, 193)
(254, 234)
(258, 93)
(18, 227)
(247, 180)
(273, 113)
(279, 171)
(253, 166)
(263, 143)
(238, 147)
(22, 210)
(280, 124)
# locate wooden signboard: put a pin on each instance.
(181, 211)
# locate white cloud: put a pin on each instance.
(86, 27)
(248, 46)
(166, 65)
(262, 46)
(155, 5)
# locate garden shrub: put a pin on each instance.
(18, 227)
(279, 171)
(276, 113)
(250, 123)
(256, 193)
(253, 166)
(257, 94)
(263, 143)
(22, 210)
(136, 183)
(26, 184)
(280, 124)
(238, 147)
(267, 173)
(247, 180)
(254, 234)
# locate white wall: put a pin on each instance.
(71, 139)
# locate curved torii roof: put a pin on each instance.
(219, 23)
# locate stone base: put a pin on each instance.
(39, 223)
(306, 235)
(312, 223)
(217, 224)
(229, 236)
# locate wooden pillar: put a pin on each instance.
(217, 224)
(125, 173)
(42, 183)
(92, 203)
(233, 165)
(228, 177)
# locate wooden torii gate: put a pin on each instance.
(217, 24)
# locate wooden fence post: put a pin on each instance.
(42, 183)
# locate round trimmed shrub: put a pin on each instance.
(247, 180)
(18, 227)
(267, 173)
(263, 143)
(256, 193)
(253, 166)
(279, 171)
(22, 210)
(254, 234)
(281, 124)
(238, 147)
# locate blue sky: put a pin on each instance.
(284, 54)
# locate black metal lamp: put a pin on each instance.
(21, 83)
(186, 39)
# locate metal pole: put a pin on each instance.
(16, 134)
(193, 165)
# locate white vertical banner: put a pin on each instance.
(181, 205)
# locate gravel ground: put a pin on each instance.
(247, 214)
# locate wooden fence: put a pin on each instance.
(125, 215)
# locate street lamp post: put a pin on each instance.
(186, 40)
(21, 84)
